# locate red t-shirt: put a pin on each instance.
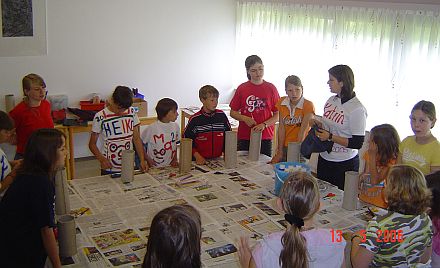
(258, 102)
(27, 119)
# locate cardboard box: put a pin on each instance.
(141, 107)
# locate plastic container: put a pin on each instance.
(282, 171)
(89, 106)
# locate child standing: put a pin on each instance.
(407, 223)
(174, 239)
(423, 149)
(253, 105)
(433, 182)
(161, 137)
(301, 245)
(117, 125)
(207, 127)
(32, 113)
(294, 114)
(27, 208)
(383, 151)
(7, 168)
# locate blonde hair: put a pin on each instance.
(30, 79)
(406, 190)
(300, 197)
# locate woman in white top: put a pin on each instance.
(343, 122)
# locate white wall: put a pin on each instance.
(166, 48)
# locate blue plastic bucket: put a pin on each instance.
(281, 174)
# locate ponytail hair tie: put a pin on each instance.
(292, 219)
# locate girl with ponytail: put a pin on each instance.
(301, 245)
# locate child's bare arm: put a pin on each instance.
(50, 244)
(105, 163)
(139, 148)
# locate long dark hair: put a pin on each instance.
(40, 154)
(387, 140)
(174, 240)
(300, 197)
(344, 74)
(433, 183)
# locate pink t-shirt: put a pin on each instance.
(258, 102)
(322, 250)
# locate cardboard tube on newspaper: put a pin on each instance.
(255, 145)
(62, 201)
(350, 199)
(231, 149)
(66, 236)
(127, 168)
(185, 155)
(293, 152)
(9, 102)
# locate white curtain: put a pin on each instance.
(395, 54)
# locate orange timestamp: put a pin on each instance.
(381, 236)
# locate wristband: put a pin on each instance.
(330, 136)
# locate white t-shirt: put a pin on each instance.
(322, 250)
(343, 120)
(161, 140)
(116, 132)
(5, 167)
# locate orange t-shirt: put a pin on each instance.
(375, 194)
(292, 121)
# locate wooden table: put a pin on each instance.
(69, 131)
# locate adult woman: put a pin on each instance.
(27, 208)
(343, 123)
(253, 105)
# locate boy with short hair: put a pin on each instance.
(7, 168)
(207, 127)
(118, 126)
(161, 137)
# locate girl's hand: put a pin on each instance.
(322, 134)
(276, 158)
(314, 121)
(259, 127)
(249, 121)
(244, 252)
(372, 148)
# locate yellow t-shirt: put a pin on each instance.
(292, 121)
(421, 156)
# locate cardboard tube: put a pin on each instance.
(230, 149)
(255, 145)
(185, 155)
(127, 169)
(293, 152)
(62, 201)
(9, 102)
(350, 199)
(66, 236)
